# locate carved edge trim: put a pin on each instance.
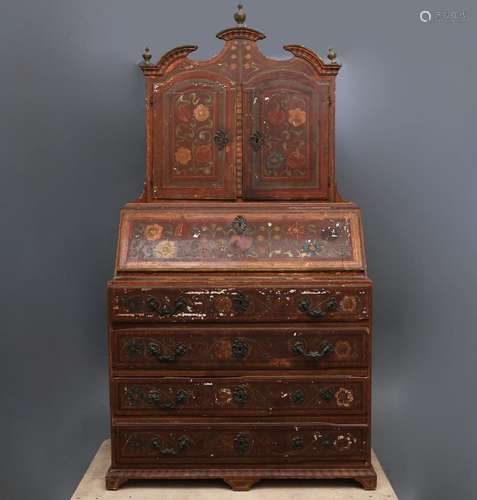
(314, 60)
(239, 142)
(240, 32)
(116, 474)
(167, 60)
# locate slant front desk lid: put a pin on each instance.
(245, 236)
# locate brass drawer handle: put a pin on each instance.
(299, 349)
(319, 312)
(166, 309)
(221, 139)
(182, 443)
(155, 350)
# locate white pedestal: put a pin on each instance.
(92, 487)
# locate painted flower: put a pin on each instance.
(223, 304)
(183, 155)
(344, 397)
(296, 230)
(165, 249)
(295, 160)
(153, 232)
(221, 245)
(241, 242)
(296, 116)
(203, 153)
(343, 349)
(261, 249)
(184, 113)
(275, 160)
(201, 112)
(349, 304)
(276, 116)
(312, 248)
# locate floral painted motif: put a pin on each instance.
(275, 160)
(281, 117)
(203, 153)
(343, 349)
(296, 230)
(218, 239)
(183, 156)
(311, 248)
(276, 116)
(344, 397)
(194, 130)
(165, 249)
(296, 160)
(349, 304)
(223, 304)
(153, 232)
(296, 116)
(201, 113)
(184, 113)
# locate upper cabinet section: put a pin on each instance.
(240, 125)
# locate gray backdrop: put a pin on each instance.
(72, 152)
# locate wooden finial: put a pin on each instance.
(240, 15)
(332, 55)
(147, 55)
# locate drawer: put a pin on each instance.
(215, 444)
(244, 304)
(217, 396)
(236, 348)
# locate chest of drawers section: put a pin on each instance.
(240, 375)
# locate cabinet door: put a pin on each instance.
(194, 142)
(286, 139)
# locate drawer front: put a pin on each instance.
(277, 304)
(238, 444)
(229, 348)
(239, 396)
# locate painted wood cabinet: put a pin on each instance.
(240, 308)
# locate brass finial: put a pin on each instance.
(240, 15)
(332, 55)
(147, 55)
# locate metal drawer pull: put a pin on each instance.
(166, 309)
(298, 397)
(239, 349)
(240, 394)
(242, 443)
(221, 139)
(299, 348)
(256, 141)
(319, 312)
(155, 350)
(239, 224)
(154, 397)
(326, 395)
(182, 443)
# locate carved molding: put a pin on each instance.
(243, 33)
(327, 69)
(168, 59)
